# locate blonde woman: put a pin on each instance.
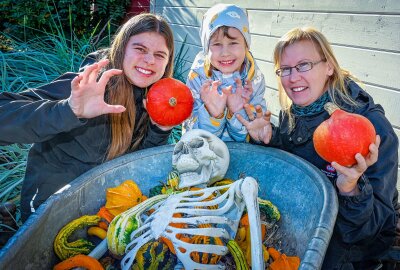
(309, 76)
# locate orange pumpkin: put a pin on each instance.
(169, 102)
(342, 136)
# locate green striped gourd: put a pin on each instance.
(269, 209)
(154, 255)
(121, 227)
(238, 255)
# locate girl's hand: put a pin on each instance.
(214, 102)
(87, 94)
(259, 127)
(164, 128)
(348, 176)
(235, 101)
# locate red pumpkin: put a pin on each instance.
(342, 136)
(169, 102)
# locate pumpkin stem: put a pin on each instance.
(172, 102)
(330, 107)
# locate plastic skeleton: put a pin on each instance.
(201, 158)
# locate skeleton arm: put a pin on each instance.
(249, 192)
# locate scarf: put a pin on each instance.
(314, 108)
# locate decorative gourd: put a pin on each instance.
(121, 227)
(156, 190)
(281, 261)
(342, 136)
(203, 257)
(97, 231)
(154, 255)
(173, 179)
(105, 214)
(178, 236)
(84, 261)
(169, 102)
(65, 249)
(269, 210)
(223, 182)
(237, 254)
(123, 197)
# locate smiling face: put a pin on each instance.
(146, 57)
(227, 52)
(303, 88)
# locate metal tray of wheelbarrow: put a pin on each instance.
(305, 197)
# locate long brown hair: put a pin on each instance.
(124, 134)
(336, 82)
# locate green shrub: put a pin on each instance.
(22, 18)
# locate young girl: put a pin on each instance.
(82, 120)
(224, 75)
(308, 77)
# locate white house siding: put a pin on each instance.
(365, 35)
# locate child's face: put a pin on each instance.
(227, 54)
(145, 59)
(303, 88)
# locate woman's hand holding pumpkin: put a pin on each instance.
(214, 102)
(87, 94)
(235, 101)
(259, 127)
(348, 176)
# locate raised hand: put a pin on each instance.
(235, 101)
(259, 126)
(348, 176)
(214, 102)
(87, 94)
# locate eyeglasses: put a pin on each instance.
(302, 67)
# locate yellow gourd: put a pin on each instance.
(65, 249)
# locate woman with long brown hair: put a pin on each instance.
(83, 119)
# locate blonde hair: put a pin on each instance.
(124, 134)
(336, 82)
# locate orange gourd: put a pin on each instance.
(123, 197)
(104, 213)
(342, 136)
(79, 261)
(282, 262)
(169, 102)
(176, 225)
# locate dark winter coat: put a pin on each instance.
(64, 146)
(365, 225)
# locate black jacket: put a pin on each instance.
(365, 224)
(64, 146)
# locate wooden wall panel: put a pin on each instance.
(356, 6)
(365, 36)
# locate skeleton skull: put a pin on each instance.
(201, 158)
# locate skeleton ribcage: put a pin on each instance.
(207, 220)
